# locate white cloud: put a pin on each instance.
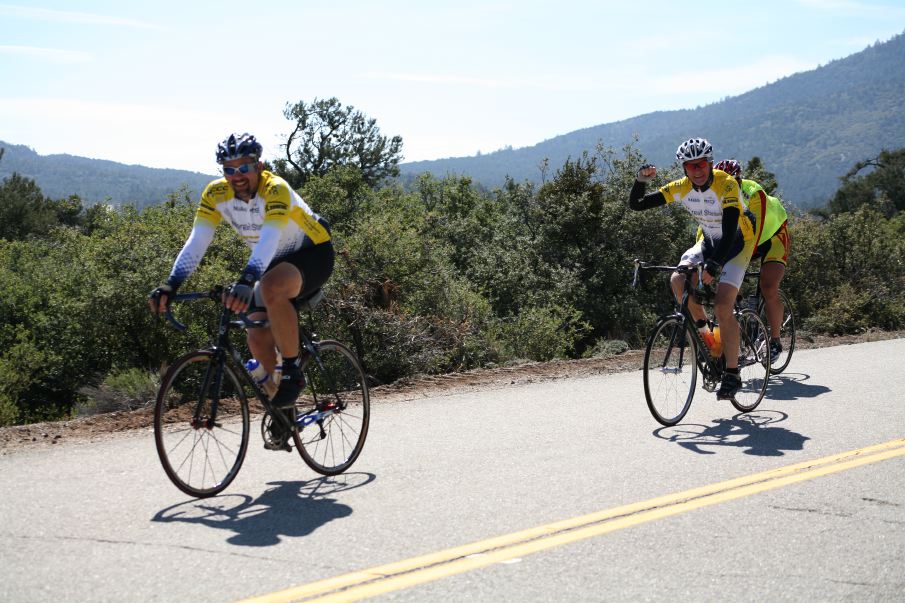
(45, 14)
(55, 55)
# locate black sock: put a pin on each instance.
(734, 371)
(290, 362)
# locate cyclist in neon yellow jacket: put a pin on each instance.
(773, 243)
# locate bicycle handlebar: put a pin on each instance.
(682, 269)
(214, 294)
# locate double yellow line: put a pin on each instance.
(426, 568)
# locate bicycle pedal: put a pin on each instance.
(278, 446)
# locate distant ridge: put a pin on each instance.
(97, 180)
(809, 128)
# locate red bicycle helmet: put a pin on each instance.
(730, 166)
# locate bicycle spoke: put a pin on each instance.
(331, 444)
(669, 373)
(201, 453)
(754, 361)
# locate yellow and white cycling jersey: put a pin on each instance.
(707, 205)
(274, 223)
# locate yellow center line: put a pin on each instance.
(433, 566)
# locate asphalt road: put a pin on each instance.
(563, 490)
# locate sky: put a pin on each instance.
(161, 83)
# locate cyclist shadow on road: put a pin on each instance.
(793, 386)
(751, 431)
(287, 509)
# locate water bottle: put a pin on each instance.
(717, 348)
(706, 335)
(260, 375)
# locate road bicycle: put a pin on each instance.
(675, 352)
(755, 301)
(201, 417)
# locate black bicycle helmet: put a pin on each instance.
(238, 146)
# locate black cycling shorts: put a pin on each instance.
(314, 262)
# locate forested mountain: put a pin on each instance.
(93, 180)
(808, 128)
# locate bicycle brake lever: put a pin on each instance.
(168, 314)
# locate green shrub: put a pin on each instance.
(607, 348)
(128, 389)
(541, 334)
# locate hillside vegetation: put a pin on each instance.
(98, 180)
(812, 126)
(441, 277)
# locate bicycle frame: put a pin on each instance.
(666, 372)
(201, 417)
(710, 371)
(224, 351)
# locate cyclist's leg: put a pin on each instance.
(303, 271)
(694, 255)
(771, 275)
(731, 278)
(772, 271)
(280, 285)
(261, 343)
(723, 307)
(730, 281)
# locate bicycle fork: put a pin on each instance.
(214, 371)
(673, 345)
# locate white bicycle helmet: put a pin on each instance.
(694, 148)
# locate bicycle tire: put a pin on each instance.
(332, 444)
(199, 455)
(753, 361)
(786, 332)
(670, 370)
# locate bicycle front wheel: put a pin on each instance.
(333, 411)
(201, 424)
(753, 360)
(670, 371)
(786, 333)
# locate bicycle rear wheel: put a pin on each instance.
(670, 371)
(333, 411)
(786, 333)
(201, 449)
(753, 360)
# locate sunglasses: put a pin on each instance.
(700, 164)
(242, 169)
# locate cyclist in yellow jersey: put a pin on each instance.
(291, 254)
(773, 244)
(713, 198)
